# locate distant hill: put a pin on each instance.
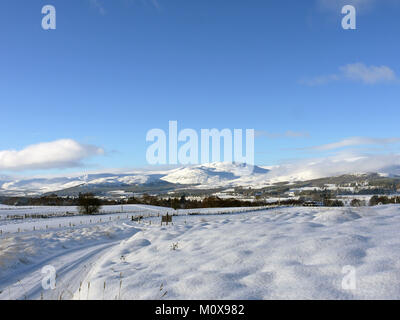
(214, 176)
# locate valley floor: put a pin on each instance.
(282, 253)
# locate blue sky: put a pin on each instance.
(114, 69)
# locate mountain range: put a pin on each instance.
(206, 176)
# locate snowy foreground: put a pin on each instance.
(282, 253)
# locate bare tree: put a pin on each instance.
(88, 204)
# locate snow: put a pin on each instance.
(214, 174)
(61, 210)
(281, 253)
(211, 175)
(42, 185)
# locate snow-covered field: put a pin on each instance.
(24, 219)
(61, 210)
(281, 253)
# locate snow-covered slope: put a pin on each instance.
(209, 175)
(201, 176)
(215, 174)
(43, 185)
(40, 185)
(283, 253)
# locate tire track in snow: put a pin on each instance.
(72, 266)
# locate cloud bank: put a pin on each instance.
(339, 164)
(357, 72)
(356, 141)
(60, 154)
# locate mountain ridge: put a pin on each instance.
(206, 176)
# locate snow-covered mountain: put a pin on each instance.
(202, 176)
(215, 174)
(205, 176)
(45, 185)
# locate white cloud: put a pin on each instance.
(339, 164)
(368, 75)
(345, 160)
(357, 72)
(356, 141)
(98, 6)
(58, 154)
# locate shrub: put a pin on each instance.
(88, 204)
(378, 200)
(333, 203)
(356, 203)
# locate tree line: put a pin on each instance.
(88, 203)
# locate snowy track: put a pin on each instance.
(72, 252)
(71, 266)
